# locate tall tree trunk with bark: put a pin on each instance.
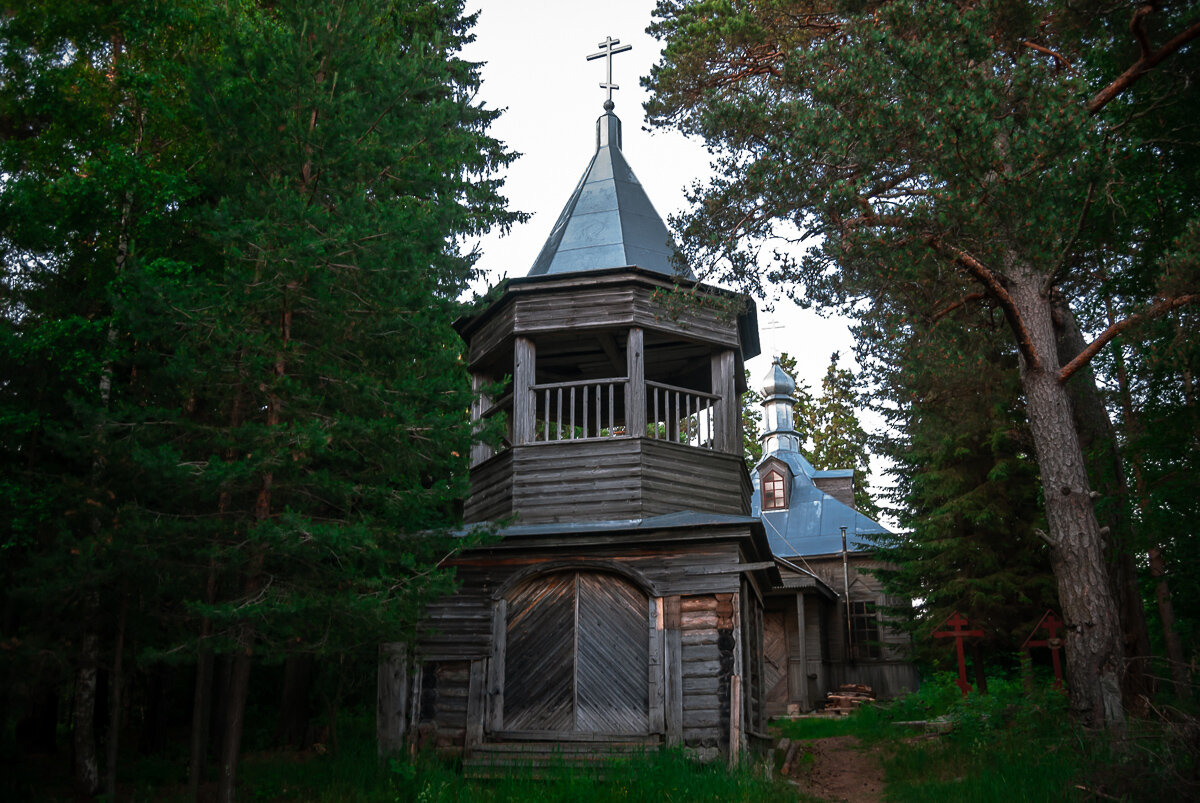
(1093, 647)
(1098, 440)
(83, 715)
(114, 704)
(235, 714)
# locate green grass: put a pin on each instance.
(1010, 745)
(355, 776)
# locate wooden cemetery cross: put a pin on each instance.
(1051, 624)
(959, 632)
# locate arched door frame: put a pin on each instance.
(654, 633)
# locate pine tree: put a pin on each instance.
(968, 143)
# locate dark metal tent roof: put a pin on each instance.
(609, 221)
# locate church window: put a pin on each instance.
(864, 631)
(774, 491)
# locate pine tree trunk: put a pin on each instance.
(86, 768)
(1166, 612)
(114, 705)
(235, 714)
(1158, 569)
(294, 706)
(201, 719)
(1098, 440)
(1093, 645)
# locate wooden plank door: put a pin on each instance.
(577, 656)
(775, 662)
(540, 656)
(612, 667)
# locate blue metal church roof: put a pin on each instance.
(811, 524)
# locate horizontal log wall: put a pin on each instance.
(707, 661)
(608, 479)
(578, 481)
(491, 490)
(576, 307)
(677, 477)
(888, 680)
(864, 587)
(840, 488)
(442, 704)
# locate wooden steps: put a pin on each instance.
(543, 760)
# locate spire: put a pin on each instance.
(608, 222)
(779, 432)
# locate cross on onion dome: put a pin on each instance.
(607, 51)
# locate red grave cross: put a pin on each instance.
(1051, 624)
(959, 632)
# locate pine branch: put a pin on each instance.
(967, 299)
(996, 289)
(1147, 60)
(1161, 308)
(1052, 279)
(1062, 60)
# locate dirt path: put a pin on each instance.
(837, 769)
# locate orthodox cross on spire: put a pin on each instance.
(607, 51)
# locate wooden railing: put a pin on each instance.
(680, 414)
(591, 408)
(597, 408)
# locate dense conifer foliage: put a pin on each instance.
(1002, 155)
(233, 236)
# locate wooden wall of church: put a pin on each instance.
(606, 480)
(574, 307)
(677, 477)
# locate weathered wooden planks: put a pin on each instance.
(491, 490)
(623, 301)
(606, 479)
(613, 661)
(539, 670)
(577, 656)
(391, 716)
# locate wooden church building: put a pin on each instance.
(625, 601)
(824, 625)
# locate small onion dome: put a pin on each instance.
(777, 382)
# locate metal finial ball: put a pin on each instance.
(609, 105)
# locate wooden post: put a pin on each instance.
(414, 704)
(635, 389)
(673, 661)
(391, 698)
(802, 629)
(657, 687)
(495, 713)
(476, 705)
(735, 681)
(524, 377)
(735, 719)
(480, 404)
(726, 412)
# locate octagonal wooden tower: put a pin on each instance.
(622, 400)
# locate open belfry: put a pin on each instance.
(621, 607)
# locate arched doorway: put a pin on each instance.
(577, 655)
